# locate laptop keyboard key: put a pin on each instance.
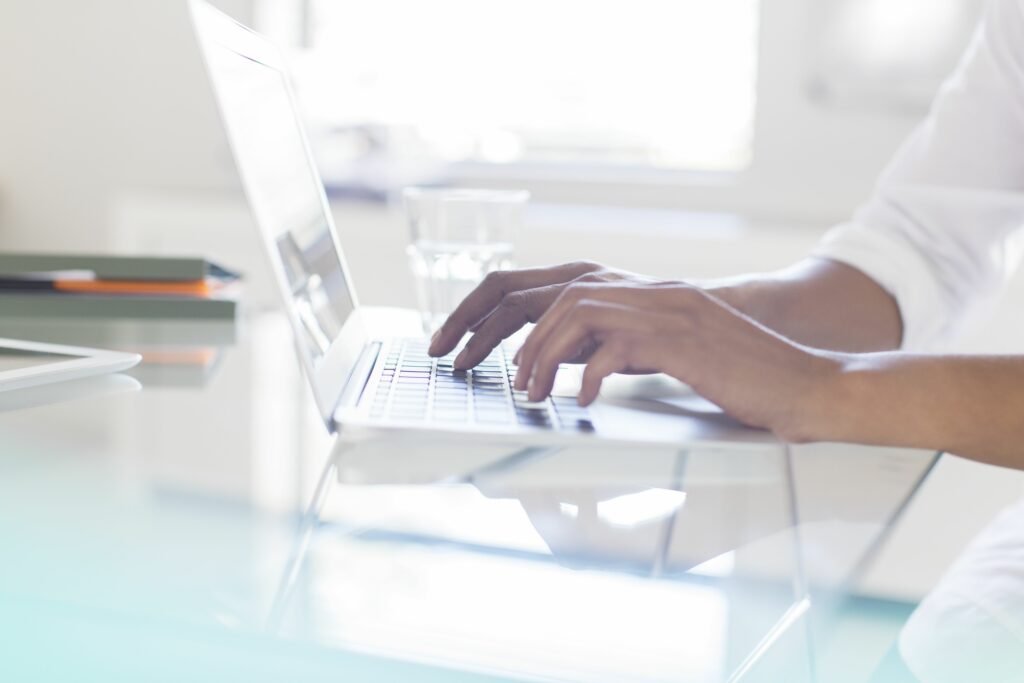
(414, 387)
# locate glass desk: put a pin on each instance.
(197, 522)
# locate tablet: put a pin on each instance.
(28, 364)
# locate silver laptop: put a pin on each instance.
(360, 382)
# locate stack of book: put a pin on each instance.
(49, 285)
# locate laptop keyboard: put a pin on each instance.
(413, 387)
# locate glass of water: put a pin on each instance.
(457, 236)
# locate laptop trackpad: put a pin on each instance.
(656, 386)
(568, 380)
(657, 392)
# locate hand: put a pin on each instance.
(754, 374)
(507, 300)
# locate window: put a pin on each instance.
(667, 84)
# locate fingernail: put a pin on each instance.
(517, 357)
(433, 340)
(457, 363)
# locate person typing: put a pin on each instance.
(830, 348)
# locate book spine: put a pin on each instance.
(85, 306)
(108, 267)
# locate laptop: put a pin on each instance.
(362, 383)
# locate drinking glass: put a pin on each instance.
(457, 236)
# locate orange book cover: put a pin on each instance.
(200, 288)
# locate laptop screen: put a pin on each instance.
(285, 192)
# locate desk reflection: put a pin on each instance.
(180, 507)
(90, 388)
(564, 565)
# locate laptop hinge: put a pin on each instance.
(359, 376)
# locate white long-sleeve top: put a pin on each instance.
(944, 229)
(943, 233)
(970, 627)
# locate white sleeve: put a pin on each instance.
(942, 231)
(970, 627)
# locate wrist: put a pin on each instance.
(756, 296)
(827, 408)
(737, 294)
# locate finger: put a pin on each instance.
(581, 357)
(626, 353)
(642, 296)
(559, 291)
(567, 298)
(554, 291)
(489, 293)
(514, 311)
(587, 319)
(611, 357)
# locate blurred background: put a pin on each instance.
(695, 138)
(680, 138)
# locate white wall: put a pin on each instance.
(100, 98)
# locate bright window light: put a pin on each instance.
(649, 83)
(634, 509)
(569, 510)
(890, 52)
(882, 34)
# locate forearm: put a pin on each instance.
(819, 303)
(972, 406)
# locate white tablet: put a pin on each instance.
(28, 364)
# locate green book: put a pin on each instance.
(173, 269)
(122, 333)
(220, 306)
